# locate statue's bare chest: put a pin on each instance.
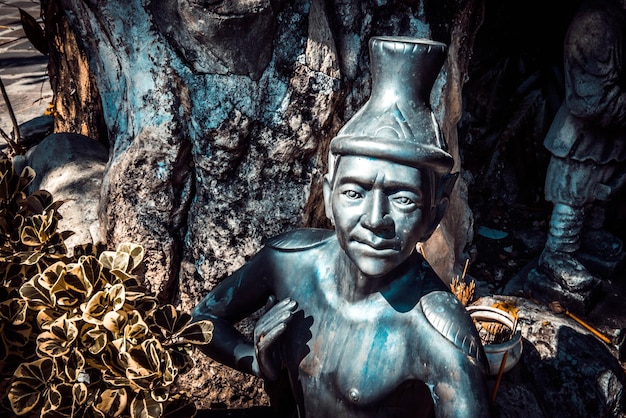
(357, 360)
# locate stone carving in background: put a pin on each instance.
(363, 326)
(587, 140)
(220, 37)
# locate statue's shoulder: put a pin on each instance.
(300, 239)
(448, 316)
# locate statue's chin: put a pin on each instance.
(372, 262)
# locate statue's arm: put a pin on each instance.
(236, 297)
(462, 392)
(456, 362)
(247, 290)
(593, 64)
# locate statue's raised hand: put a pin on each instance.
(267, 331)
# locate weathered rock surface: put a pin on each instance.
(36, 129)
(71, 168)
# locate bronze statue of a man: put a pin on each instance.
(363, 326)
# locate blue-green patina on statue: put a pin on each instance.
(363, 327)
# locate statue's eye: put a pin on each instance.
(403, 200)
(352, 194)
(406, 201)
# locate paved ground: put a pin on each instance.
(22, 67)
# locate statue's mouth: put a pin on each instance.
(380, 245)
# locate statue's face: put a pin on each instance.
(377, 208)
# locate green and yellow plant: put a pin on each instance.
(83, 335)
(29, 243)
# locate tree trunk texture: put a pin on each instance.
(76, 101)
(219, 116)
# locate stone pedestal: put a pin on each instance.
(546, 289)
(603, 267)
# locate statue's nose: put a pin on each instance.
(376, 217)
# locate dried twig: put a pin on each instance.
(493, 332)
(556, 307)
(5, 135)
(464, 291)
(505, 356)
(13, 144)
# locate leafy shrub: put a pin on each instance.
(29, 243)
(81, 336)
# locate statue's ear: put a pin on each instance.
(443, 194)
(442, 199)
(328, 197)
(447, 184)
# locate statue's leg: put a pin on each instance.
(558, 257)
(568, 186)
(595, 239)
